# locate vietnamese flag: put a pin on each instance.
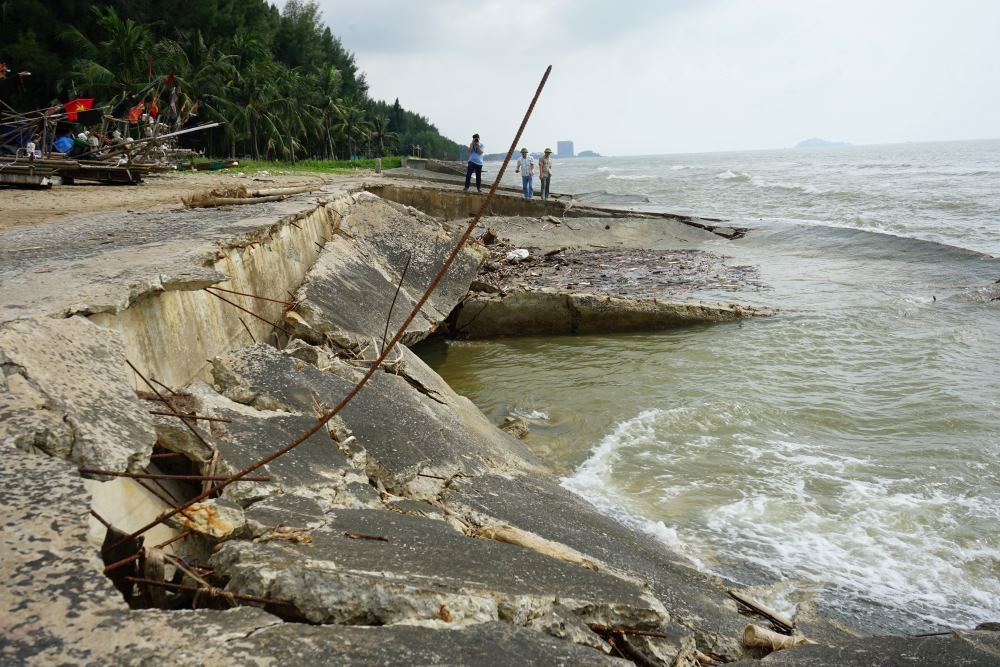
(135, 112)
(75, 106)
(154, 108)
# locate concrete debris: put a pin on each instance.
(217, 519)
(551, 312)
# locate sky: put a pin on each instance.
(643, 77)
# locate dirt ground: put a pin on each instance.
(158, 191)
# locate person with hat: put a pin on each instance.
(476, 149)
(545, 173)
(526, 167)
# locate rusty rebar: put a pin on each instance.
(248, 312)
(249, 333)
(169, 404)
(322, 421)
(136, 556)
(252, 296)
(362, 536)
(402, 277)
(610, 629)
(165, 387)
(167, 496)
(165, 455)
(182, 415)
(150, 475)
(93, 513)
(216, 592)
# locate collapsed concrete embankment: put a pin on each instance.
(408, 530)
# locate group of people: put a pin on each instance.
(525, 167)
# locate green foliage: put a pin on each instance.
(323, 166)
(281, 83)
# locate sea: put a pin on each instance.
(843, 455)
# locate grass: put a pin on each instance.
(325, 166)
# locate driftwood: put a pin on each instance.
(522, 538)
(755, 636)
(552, 253)
(779, 620)
(240, 195)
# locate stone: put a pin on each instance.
(516, 425)
(67, 395)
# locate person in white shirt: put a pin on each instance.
(526, 167)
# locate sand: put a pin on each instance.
(158, 191)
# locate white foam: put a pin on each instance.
(639, 177)
(528, 413)
(865, 536)
(592, 481)
(678, 167)
(729, 175)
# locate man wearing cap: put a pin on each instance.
(475, 163)
(545, 172)
(526, 167)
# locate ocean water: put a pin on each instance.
(846, 452)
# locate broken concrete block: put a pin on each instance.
(67, 394)
(367, 566)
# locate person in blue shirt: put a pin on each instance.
(476, 150)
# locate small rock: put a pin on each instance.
(517, 255)
(480, 286)
(516, 425)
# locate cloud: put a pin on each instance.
(651, 77)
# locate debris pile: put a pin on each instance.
(77, 141)
(627, 272)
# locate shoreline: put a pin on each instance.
(463, 521)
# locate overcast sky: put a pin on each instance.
(637, 77)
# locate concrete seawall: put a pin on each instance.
(408, 530)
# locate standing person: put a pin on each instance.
(476, 150)
(526, 167)
(545, 172)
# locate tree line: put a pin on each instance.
(281, 83)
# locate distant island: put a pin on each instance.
(820, 143)
(588, 154)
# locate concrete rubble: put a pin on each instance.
(406, 530)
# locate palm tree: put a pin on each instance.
(117, 65)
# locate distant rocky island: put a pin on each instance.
(820, 143)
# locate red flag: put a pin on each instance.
(154, 108)
(170, 80)
(75, 106)
(135, 112)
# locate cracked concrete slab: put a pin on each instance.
(64, 392)
(402, 432)
(347, 296)
(554, 312)
(373, 567)
(538, 504)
